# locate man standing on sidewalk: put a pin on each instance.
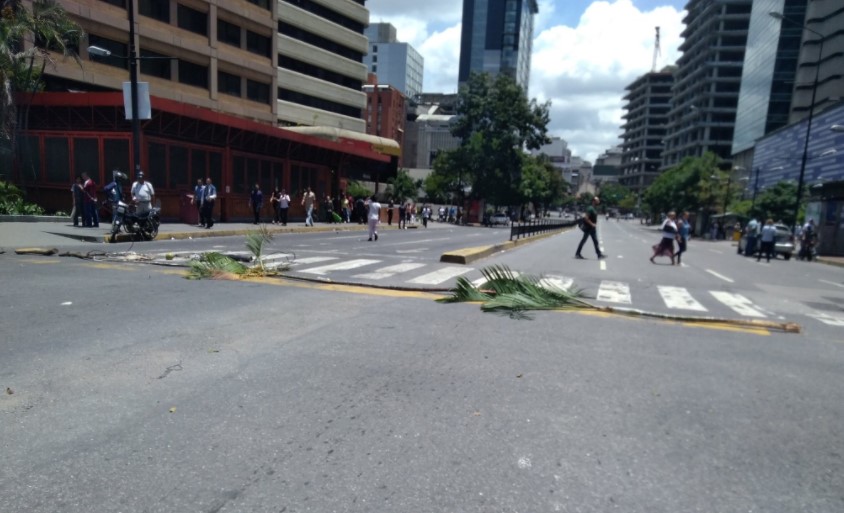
(256, 200)
(198, 193)
(308, 202)
(208, 198)
(142, 194)
(590, 228)
(91, 217)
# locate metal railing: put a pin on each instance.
(537, 226)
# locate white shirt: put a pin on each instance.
(667, 233)
(374, 210)
(143, 192)
(284, 201)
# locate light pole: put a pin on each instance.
(805, 156)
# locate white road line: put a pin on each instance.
(480, 281)
(614, 292)
(313, 260)
(556, 283)
(830, 319)
(713, 273)
(392, 270)
(832, 283)
(339, 266)
(679, 298)
(740, 304)
(440, 275)
(603, 265)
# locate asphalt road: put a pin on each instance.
(135, 390)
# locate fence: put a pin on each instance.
(537, 226)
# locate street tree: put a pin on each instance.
(403, 186)
(613, 194)
(495, 122)
(541, 184)
(688, 186)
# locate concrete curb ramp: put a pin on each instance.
(469, 255)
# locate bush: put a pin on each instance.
(12, 203)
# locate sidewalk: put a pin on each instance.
(38, 233)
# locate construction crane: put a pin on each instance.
(656, 50)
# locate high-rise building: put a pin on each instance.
(386, 112)
(648, 101)
(770, 63)
(826, 19)
(560, 155)
(707, 81)
(226, 77)
(497, 37)
(396, 64)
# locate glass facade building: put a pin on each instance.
(497, 37)
(770, 65)
(395, 63)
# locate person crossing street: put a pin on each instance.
(590, 229)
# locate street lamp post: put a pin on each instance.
(805, 156)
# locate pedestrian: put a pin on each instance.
(390, 207)
(669, 234)
(767, 239)
(91, 218)
(752, 231)
(308, 201)
(208, 198)
(196, 201)
(683, 234)
(360, 211)
(256, 200)
(402, 218)
(374, 217)
(142, 194)
(344, 204)
(589, 225)
(807, 240)
(426, 215)
(274, 205)
(114, 192)
(283, 206)
(77, 194)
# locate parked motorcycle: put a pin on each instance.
(142, 226)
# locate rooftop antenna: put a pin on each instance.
(656, 50)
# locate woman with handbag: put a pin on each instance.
(669, 233)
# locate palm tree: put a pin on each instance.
(29, 39)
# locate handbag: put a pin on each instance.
(581, 223)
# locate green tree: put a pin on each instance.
(613, 194)
(776, 202)
(688, 186)
(356, 190)
(541, 184)
(403, 187)
(495, 123)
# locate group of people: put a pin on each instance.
(204, 197)
(673, 229)
(85, 204)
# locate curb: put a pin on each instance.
(468, 255)
(346, 227)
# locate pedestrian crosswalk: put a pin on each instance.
(670, 297)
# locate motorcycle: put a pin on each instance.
(143, 226)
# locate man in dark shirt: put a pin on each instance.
(256, 200)
(590, 229)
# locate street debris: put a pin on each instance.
(36, 251)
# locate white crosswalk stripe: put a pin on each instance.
(679, 298)
(828, 319)
(440, 275)
(313, 260)
(340, 266)
(556, 283)
(480, 281)
(740, 304)
(614, 292)
(389, 271)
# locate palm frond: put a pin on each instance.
(255, 242)
(464, 292)
(213, 265)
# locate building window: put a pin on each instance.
(374, 58)
(157, 67)
(318, 72)
(375, 68)
(228, 83)
(57, 160)
(258, 44)
(261, 3)
(374, 48)
(318, 103)
(117, 3)
(193, 74)
(257, 91)
(156, 9)
(193, 20)
(319, 41)
(228, 33)
(116, 49)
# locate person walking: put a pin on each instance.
(590, 229)
(684, 231)
(198, 193)
(209, 197)
(142, 194)
(752, 230)
(374, 217)
(767, 239)
(274, 205)
(328, 206)
(91, 218)
(402, 218)
(283, 206)
(308, 201)
(78, 203)
(669, 233)
(390, 207)
(256, 200)
(344, 205)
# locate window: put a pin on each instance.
(258, 44)
(156, 64)
(86, 156)
(375, 68)
(193, 20)
(228, 83)
(257, 91)
(157, 163)
(116, 3)
(57, 161)
(178, 165)
(374, 58)
(157, 9)
(118, 51)
(193, 74)
(228, 33)
(318, 103)
(198, 166)
(261, 3)
(374, 48)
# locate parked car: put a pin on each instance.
(783, 245)
(499, 218)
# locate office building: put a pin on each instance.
(770, 64)
(497, 37)
(560, 155)
(232, 74)
(396, 64)
(386, 112)
(648, 101)
(707, 82)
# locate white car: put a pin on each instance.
(499, 218)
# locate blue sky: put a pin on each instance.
(584, 53)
